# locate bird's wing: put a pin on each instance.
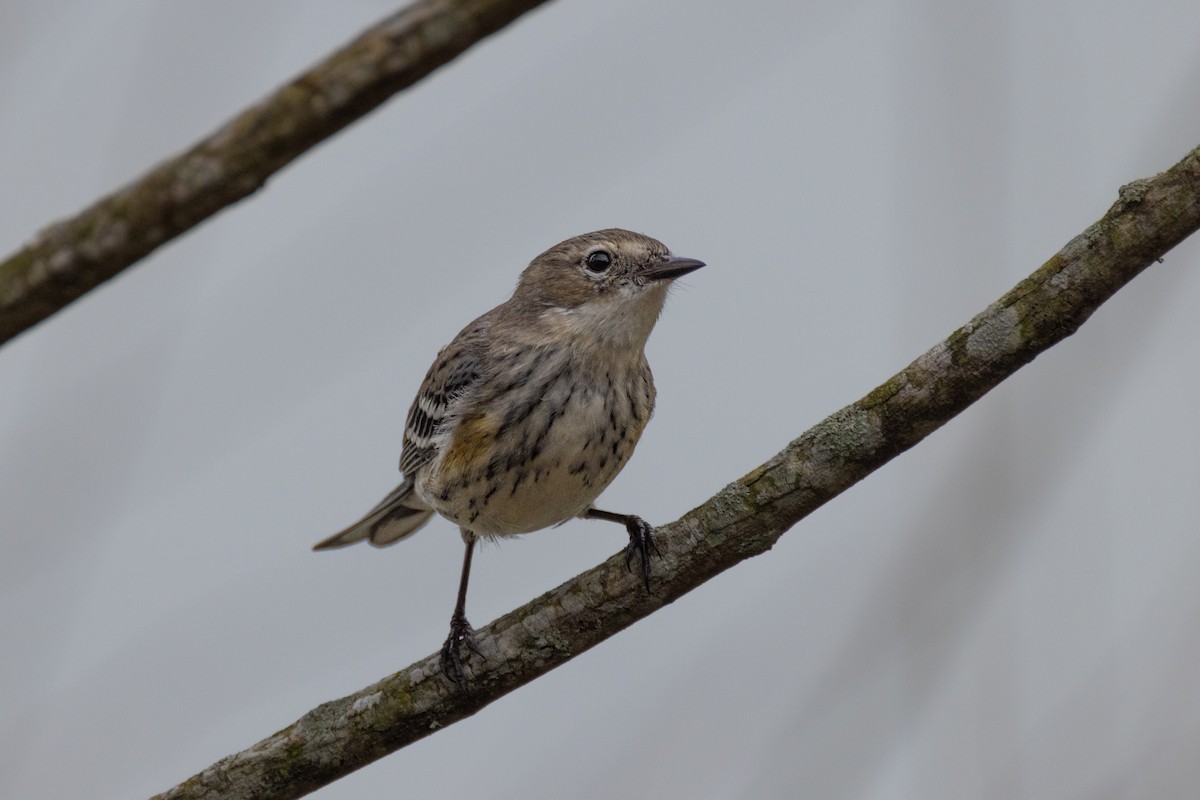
(457, 370)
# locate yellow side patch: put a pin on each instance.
(473, 438)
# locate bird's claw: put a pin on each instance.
(461, 633)
(642, 545)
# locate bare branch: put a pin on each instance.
(744, 519)
(74, 256)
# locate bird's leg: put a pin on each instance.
(641, 539)
(461, 632)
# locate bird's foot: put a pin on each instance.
(641, 546)
(453, 658)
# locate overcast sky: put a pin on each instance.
(1010, 610)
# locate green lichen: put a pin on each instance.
(293, 754)
(397, 701)
(841, 436)
(556, 640)
(885, 391)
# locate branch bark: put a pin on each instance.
(74, 256)
(742, 520)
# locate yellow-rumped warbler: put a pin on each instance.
(529, 414)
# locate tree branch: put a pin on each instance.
(742, 520)
(74, 256)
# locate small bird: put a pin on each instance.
(528, 415)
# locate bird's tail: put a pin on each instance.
(399, 515)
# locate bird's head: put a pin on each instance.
(607, 287)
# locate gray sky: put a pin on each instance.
(1010, 610)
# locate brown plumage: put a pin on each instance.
(533, 409)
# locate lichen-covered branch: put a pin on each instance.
(74, 256)
(744, 519)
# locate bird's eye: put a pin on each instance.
(598, 261)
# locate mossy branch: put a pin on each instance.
(742, 520)
(74, 256)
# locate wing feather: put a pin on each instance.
(457, 370)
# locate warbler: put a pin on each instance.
(528, 415)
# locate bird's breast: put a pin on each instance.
(541, 450)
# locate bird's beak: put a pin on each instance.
(671, 267)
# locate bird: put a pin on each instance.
(532, 410)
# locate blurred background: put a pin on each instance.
(1010, 610)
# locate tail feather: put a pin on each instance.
(399, 515)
